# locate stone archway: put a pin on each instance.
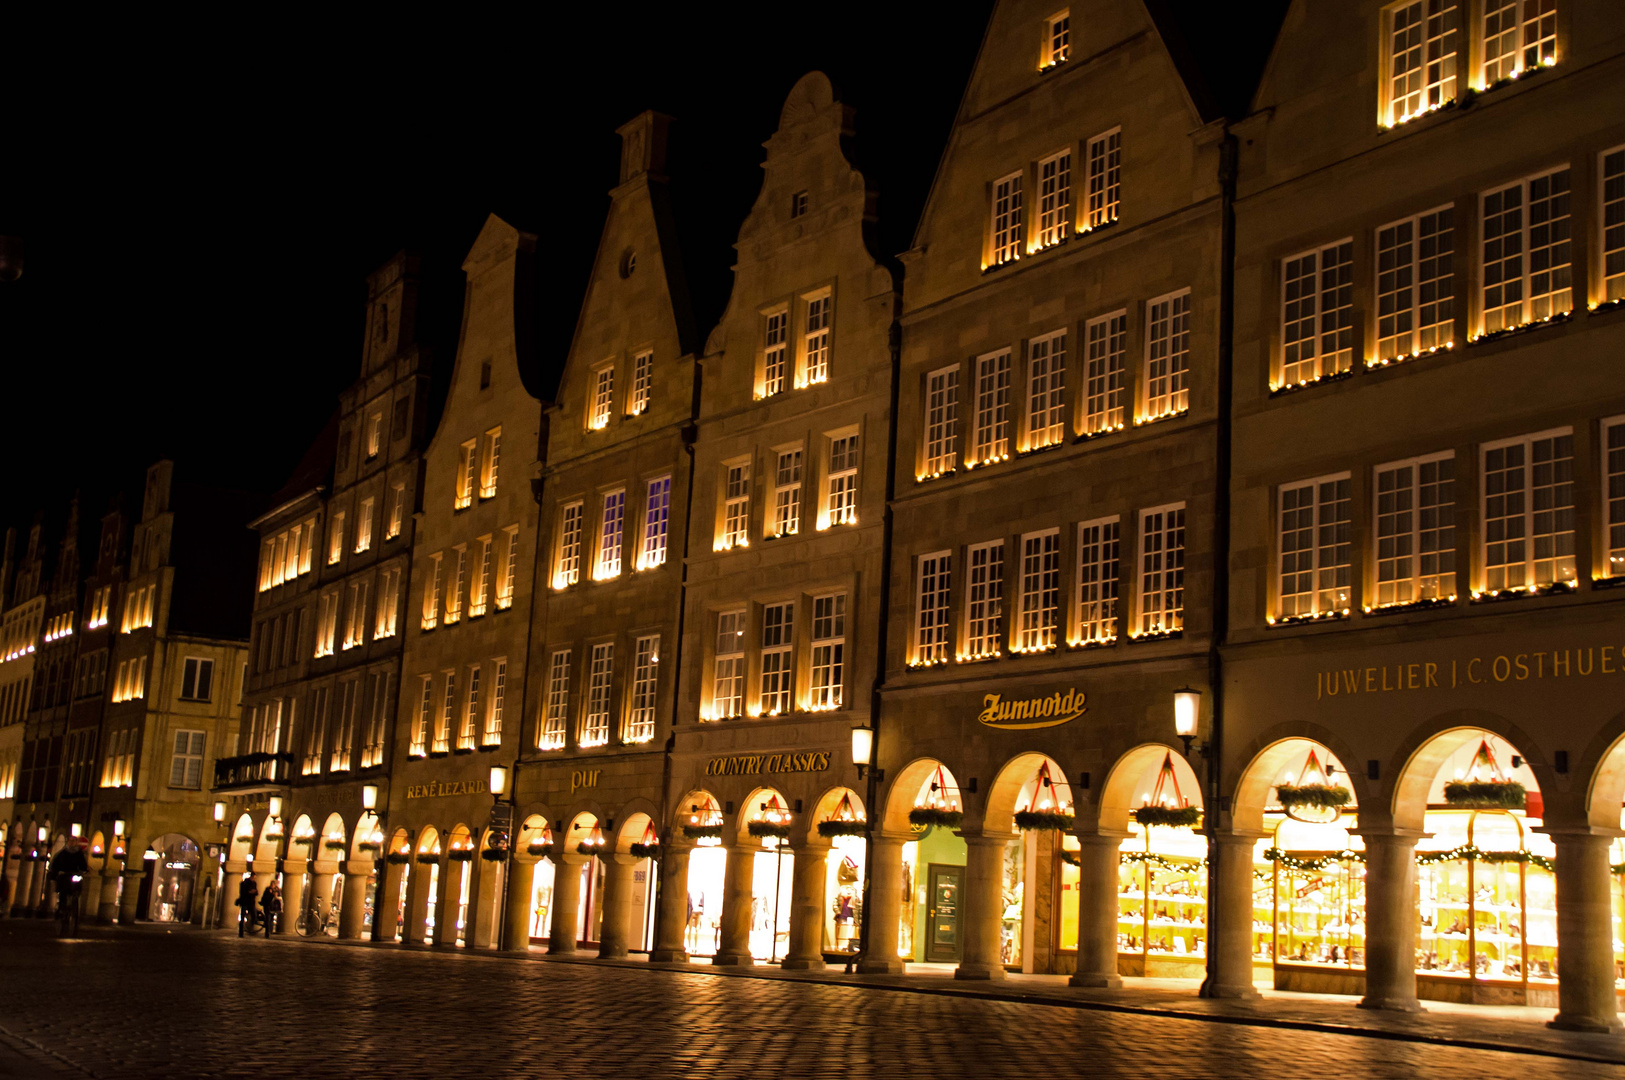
(692, 872)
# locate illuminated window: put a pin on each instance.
(736, 507)
(815, 341)
(1613, 493)
(941, 421)
(1316, 534)
(1167, 355)
(1613, 225)
(1529, 511)
(335, 538)
(603, 397)
(448, 710)
(1416, 309)
(1518, 35)
(1039, 602)
(490, 461)
(372, 746)
(556, 710)
(1317, 313)
(1007, 230)
(459, 578)
(774, 353)
(640, 719)
(595, 722)
(568, 569)
(643, 372)
(990, 440)
(842, 502)
(1106, 344)
(467, 455)
(1105, 177)
(389, 602)
(1416, 530)
(355, 625)
(1526, 252)
(509, 568)
(1098, 572)
(327, 621)
(471, 710)
(493, 713)
(480, 589)
(397, 511)
(656, 523)
(778, 665)
(611, 529)
(1054, 198)
(344, 734)
(728, 676)
(315, 734)
(290, 556)
(1162, 569)
(787, 493)
(425, 714)
(932, 609)
(197, 679)
(828, 651)
(375, 434)
(1057, 39)
(307, 544)
(1046, 390)
(363, 525)
(1421, 51)
(431, 595)
(984, 600)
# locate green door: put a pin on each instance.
(942, 916)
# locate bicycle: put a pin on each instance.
(312, 924)
(67, 908)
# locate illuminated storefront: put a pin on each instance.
(1162, 880)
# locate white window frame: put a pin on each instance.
(1533, 41)
(467, 457)
(490, 462)
(459, 578)
(1531, 307)
(1105, 158)
(600, 687)
(1161, 577)
(1308, 298)
(554, 729)
(508, 572)
(842, 457)
(656, 522)
(480, 588)
(1530, 566)
(775, 352)
(1611, 226)
(1395, 547)
(448, 713)
(1330, 580)
(603, 397)
(941, 422)
(1416, 300)
(643, 364)
(567, 566)
(1099, 574)
(990, 432)
(735, 491)
(431, 595)
(372, 746)
(363, 525)
(1436, 38)
(933, 608)
(496, 707)
(425, 716)
(1054, 198)
(1057, 46)
(828, 674)
(1105, 371)
(1166, 390)
(776, 694)
(1046, 390)
(640, 718)
(197, 671)
(789, 468)
(186, 755)
(984, 600)
(335, 538)
(397, 511)
(611, 535)
(1038, 595)
(344, 734)
(817, 316)
(728, 666)
(1005, 232)
(472, 717)
(327, 622)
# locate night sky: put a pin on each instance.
(199, 224)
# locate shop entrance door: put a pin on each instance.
(942, 943)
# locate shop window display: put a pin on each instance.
(1033, 890)
(1616, 860)
(772, 877)
(845, 867)
(707, 865)
(1162, 883)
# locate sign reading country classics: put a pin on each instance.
(812, 761)
(437, 789)
(1057, 708)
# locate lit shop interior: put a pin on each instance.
(1162, 874)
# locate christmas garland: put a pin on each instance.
(644, 851)
(1160, 862)
(932, 815)
(1174, 816)
(427, 858)
(494, 854)
(1043, 820)
(768, 828)
(1491, 794)
(398, 858)
(335, 845)
(537, 848)
(1468, 852)
(1293, 862)
(840, 828)
(700, 832)
(585, 848)
(369, 845)
(461, 854)
(1324, 796)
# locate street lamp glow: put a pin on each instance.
(863, 744)
(73, 830)
(369, 796)
(1186, 705)
(273, 806)
(118, 827)
(43, 833)
(219, 812)
(499, 779)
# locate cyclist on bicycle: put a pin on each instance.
(67, 870)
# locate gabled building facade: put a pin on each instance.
(23, 592)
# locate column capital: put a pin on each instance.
(985, 841)
(881, 837)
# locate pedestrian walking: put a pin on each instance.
(271, 901)
(248, 894)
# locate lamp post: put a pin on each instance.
(1187, 715)
(863, 750)
(502, 821)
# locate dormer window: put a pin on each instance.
(798, 204)
(1057, 40)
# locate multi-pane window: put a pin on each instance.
(775, 353)
(315, 734)
(480, 588)
(1613, 493)
(941, 421)
(375, 434)
(490, 463)
(932, 612)
(815, 342)
(1054, 198)
(1613, 225)
(1162, 569)
(459, 578)
(1316, 534)
(1529, 511)
(471, 710)
(1046, 390)
(499, 698)
(1416, 530)
(1518, 35)
(656, 523)
(1038, 603)
(1422, 44)
(984, 600)
(990, 440)
(197, 679)
(372, 746)
(508, 570)
(841, 508)
(344, 734)
(1167, 355)
(603, 397)
(611, 526)
(397, 511)
(1006, 239)
(736, 507)
(363, 525)
(728, 676)
(1105, 177)
(1526, 252)
(425, 715)
(556, 709)
(568, 569)
(787, 493)
(1415, 285)
(595, 722)
(778, 667)
(431, 595)
(335, 538)
(1099, 552)
(640, 719)
(828, 651)
(327, 623)
(643, 378)
(1317, 313)
(1105, 347)
(355, 626)
(448, 712)
(186, 762)
(467, 458)
(1057, 38)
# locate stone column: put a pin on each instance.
(447, 902)
(1390, 921)
(671, 922)
(883, 913)
(417, 904)
(982, 908)
(321, 891)
(1230, 936)
(737, 892)
(44, 901)
(293, 893)
(128, 905)
(521, 892)
(352, 913)
(385, 914)
(615, 934)
(483, 904)
(1098, 860)
(566, 905)
(25, 887)
(1586, 998)
(808, 884)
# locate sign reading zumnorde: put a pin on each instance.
(744, 764)
(1058, 708)
(436, 789)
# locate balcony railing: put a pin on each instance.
(252, 770)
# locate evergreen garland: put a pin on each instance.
(1489, 794)
(768, 828)
(931, 815)
(398, 858)
(841, 828)
(645, 851)
(1173, 816)
(427, 858)
(1324, 796)
(461, 854)
(1043, 820)
(700, 832)
(494, 854)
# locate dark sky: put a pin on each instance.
(199, 221)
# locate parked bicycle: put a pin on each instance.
(312, 923)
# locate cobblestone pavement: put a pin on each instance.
(120, 1004)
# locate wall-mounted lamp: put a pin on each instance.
(219, 812)
(369, 796)
(1187, 706)
(273, 806)
(863, 749)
